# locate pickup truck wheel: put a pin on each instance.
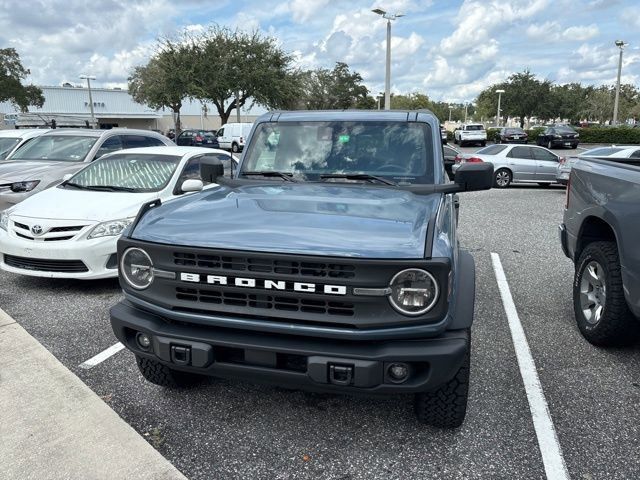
(484, 144)
(600, 308)
(234, 148)
(446, 407)
(502, 178)
(160, 374)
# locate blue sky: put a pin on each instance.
(449, 50)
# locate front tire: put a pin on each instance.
(502, 178)
(446, 407)
(235, 148)
(600, 308)
(160, 374)
(484, 144)
(549, 145)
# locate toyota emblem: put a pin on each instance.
(36, 230)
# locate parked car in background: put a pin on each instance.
(564, 167)
(71, 231)
(197, 138)
(12, 140)
(515, 163)
(232, 136)
(472, 133)
(450, 155)
(43, 161)
(511, 135)
(599, 233)
(558, 136)
(443, 134)
(171, 134)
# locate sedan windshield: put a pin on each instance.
(66, 148)
(127, 172)
(318, 151)
(6, 145)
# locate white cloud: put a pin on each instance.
(553, 32)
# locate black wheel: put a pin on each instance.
(484, 144)
(502, 178)
(498, 140)
(445, 407)
(234, 148)
(160, 374)
(600, 308)
(549, 145)
(462, 144)
(455, 140)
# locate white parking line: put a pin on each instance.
(102, 356)
(554, 464)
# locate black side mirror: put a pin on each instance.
(210, 169)
(471, 177)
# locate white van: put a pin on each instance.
(232, 136)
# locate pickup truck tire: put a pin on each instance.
(235, 148)
(446, 407)
(502, 178)
(160, 374)
(598, 273)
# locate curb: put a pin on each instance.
(55, 427)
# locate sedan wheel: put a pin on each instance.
(549, 145)
(503, 178)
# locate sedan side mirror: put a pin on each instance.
(471, 177)
(191, 185)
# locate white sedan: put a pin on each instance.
(12, 140)
(515, 163)
(71, 230)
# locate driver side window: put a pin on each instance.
(111, 144)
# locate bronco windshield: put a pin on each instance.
(65, 148)
(399, 151)
(126, 172)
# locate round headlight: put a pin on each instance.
(413, 291)
(137, 268)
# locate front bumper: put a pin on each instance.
(95, 254)
(9, 199)
(291, 360)
(565, 142)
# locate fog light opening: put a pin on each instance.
(398, 372)
(143, 340)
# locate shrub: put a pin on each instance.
(614, 135)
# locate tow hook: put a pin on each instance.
(340, 374)
(180, 355)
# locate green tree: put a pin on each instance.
(12, 73)
(232, 68)
(166, 80)
(340, 88)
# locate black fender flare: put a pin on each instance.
(465, 292)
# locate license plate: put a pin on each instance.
(209, 141)
(516, 137)
(567, 144)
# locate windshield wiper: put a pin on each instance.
(360, 176)
(110, 188)
(288, 177)
(75, 185)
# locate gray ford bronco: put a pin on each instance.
(328, 261)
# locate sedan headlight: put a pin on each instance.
(110, 229)
(413, 291)
(4, 220)
(19, 187)
(136, 268)
(577, 135)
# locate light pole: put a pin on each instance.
(88, 78)
(450, 110)
(620, 44)
(379, 97)
(466, 108)
(499, 92)
(387, 79)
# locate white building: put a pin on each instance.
(69, 107)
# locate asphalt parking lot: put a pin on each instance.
(230, 429)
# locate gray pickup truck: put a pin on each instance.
(600, 233)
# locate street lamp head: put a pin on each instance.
(379, 11)
(85, 77)
(398, 15)
(620, 44)
(500, 91)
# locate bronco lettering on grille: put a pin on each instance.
(264, 284)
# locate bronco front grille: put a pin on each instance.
(264, 302)
(264, 265)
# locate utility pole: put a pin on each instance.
(387, 78)
(88, 78)
(499, 92)
(620, 44)
(238, 106)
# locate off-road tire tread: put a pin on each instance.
(159, 374)
(618, 325)
(445, 407)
